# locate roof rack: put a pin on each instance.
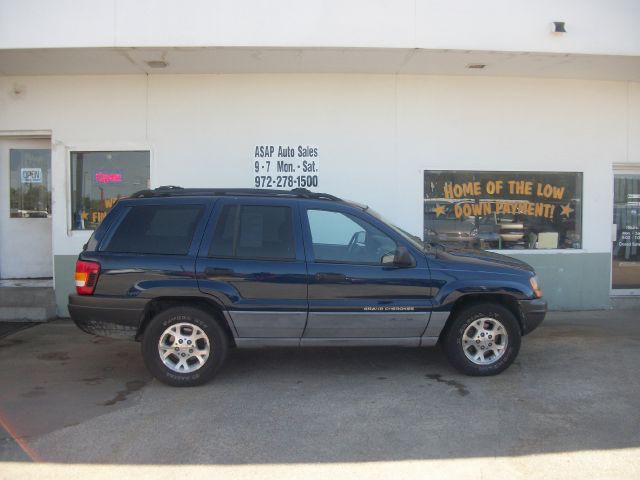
(175, 191)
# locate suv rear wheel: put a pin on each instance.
(184, 346)
(483, 339)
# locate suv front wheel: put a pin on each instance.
(483, 339)
(184, 346)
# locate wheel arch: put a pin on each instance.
(161, 304)
(507, 301)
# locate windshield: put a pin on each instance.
(413, 239)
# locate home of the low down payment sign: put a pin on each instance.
(534, 199)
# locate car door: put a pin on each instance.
(352, 294)
(252, 260)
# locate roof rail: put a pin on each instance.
(175, 191)
(304, 193)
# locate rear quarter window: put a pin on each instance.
(156, 229)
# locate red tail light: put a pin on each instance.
(86, 277)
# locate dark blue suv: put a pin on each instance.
(192, 272)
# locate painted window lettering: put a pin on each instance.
(504, 210)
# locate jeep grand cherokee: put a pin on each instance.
(192, 272)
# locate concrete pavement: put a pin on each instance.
(568, 406)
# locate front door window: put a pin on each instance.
(342, 238)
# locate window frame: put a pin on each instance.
(84, 235)
(207, 241)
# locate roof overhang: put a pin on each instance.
(234, 60)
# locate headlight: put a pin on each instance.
(534, 285)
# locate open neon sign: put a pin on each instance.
(103, 177)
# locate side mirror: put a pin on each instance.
(401, 258)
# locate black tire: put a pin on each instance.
(201, 320)
(454, 338)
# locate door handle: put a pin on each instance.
(331, 277)
(218, 272)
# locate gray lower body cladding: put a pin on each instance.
(117, 317)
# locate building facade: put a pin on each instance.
(457, 123)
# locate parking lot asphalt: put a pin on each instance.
(74, 404)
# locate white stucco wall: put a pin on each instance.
(607, 27)
(375, 133)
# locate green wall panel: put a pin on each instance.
(572, 281)
(64, 268)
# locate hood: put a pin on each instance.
(477, 256)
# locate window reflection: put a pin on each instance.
(626, 218)
(504, 210)
(30, 183)
(100, 179)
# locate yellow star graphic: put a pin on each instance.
(438, 210)
(566, 210)
(84, 215)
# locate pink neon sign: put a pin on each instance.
(102, 177)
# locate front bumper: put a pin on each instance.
(533, 313)
(106, 316)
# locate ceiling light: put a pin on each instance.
(157, 64)
(477, 65)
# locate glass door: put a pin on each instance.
(25, 208)
(625, 257)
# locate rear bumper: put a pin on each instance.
(107, 317)
(533, 313)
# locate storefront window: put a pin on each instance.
(30, 183)
(99, 179)
(503, 210)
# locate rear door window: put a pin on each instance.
(156, 229)
(254, 232)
